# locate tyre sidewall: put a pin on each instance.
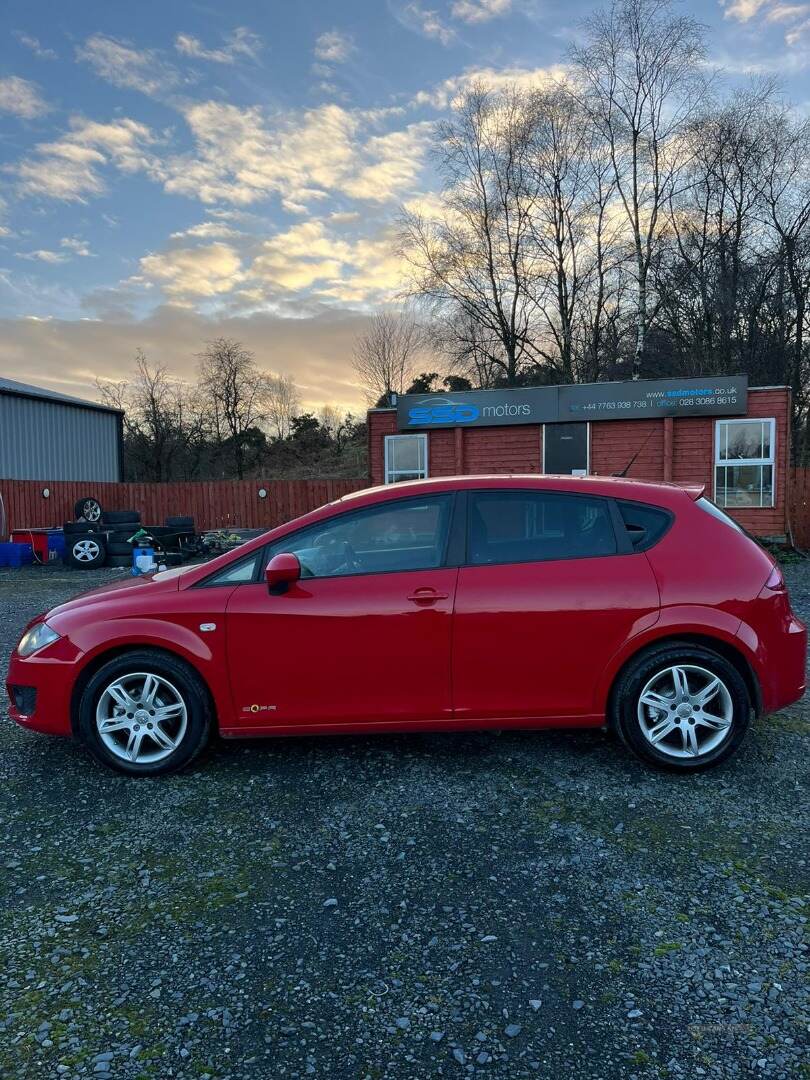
(643, 669)
(181, 676)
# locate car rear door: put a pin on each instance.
(549, 593)
(363, 638)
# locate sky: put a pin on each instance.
(174, 172)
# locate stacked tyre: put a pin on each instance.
(85, 546)
(120, 526)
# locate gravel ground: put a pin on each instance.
(402, 906)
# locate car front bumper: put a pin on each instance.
(40, 687)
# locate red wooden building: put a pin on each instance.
(717, 432)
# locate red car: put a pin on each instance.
(473, 602)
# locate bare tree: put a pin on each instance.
(785, 192)
(163, 427)
(642, 82)
(477, 256)
(561, 221)
(283, 403)
(469, 350)
(384, 355)
(236, 393)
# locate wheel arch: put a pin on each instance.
(100, 659)
(719, 645)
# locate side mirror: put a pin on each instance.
(282, 571)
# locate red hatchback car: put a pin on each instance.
(473, 602)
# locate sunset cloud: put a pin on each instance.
(69, 168)
(187, 274)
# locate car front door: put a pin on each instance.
(544, 602)
(363, 638)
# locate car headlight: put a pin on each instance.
(37, 637)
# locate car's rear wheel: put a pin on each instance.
(682, 707)
(145, 713)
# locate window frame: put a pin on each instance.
(719, 426)
(620, 535)
(389, 474)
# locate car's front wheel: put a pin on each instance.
(145, 713)
(682, 707)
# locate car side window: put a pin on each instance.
(535, 526)
(408, 534)
(238, 573)
(645, 524)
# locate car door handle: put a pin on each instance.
(427, 595)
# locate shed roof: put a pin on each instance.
(19, 389)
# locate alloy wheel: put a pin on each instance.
(86, 551)
(685, 711)
(141, 717)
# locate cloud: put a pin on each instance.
(334, 47)
(242, 156)
(187, 274)
(310, 257)
(478, 11)
(315, 350)
(68, 169)
(743, 10)
(42, 255)
(425, 21)
(207, 230)
(76, 246)
(443, 95)
(34, 45)
(241, 43)
(119, 63)
(21, 98)
(795, 18)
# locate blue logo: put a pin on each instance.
(442, 412)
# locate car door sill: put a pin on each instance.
(535, 723)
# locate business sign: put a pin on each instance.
(644, 399)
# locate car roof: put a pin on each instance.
(616, 487)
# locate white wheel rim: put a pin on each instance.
(685, 711)
(91, 511)
(141, 718)
(86, 550)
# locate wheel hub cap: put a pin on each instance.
(685, 711)
(141, 717)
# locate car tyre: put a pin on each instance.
(180, 523)
(88, 509)
(119, 560)
(119, 547)
(86, 551)
(121, 517)
(109, 731)
(657, 710)
(79, 527)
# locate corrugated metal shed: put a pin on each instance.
(49, 436)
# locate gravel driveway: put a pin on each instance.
(402, 906)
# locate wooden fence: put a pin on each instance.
(218, 504)
(799, 509)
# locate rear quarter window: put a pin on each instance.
(645, 524)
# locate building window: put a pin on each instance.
(744, 462)
(405, 458)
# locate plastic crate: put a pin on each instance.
(16, 555)
(56, 544)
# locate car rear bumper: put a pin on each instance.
(784, 674)
(39, 692)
